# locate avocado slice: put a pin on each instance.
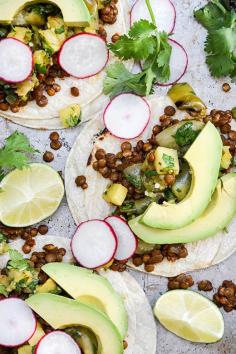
(216, 217)
(204, 157)
(75, 12)
(61, 312)
(91, 289)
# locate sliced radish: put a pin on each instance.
(94, 244)
(178, 63)
(17, 322)
(127, 241)
(83, 55)
(57, 342)
(127, 115)
(164, 12)
(16, 60)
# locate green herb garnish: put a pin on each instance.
(17, 261)
(169, 161)
(220, 21)
(42, 69)
(73, 120)
(185, 135)
(150, 173)
(15, 153)
(145, 43)
(136, 181)
(60, 30)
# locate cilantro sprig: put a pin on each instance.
(185, 135)
(219, 18)
(15, 153)
(143, 43)
(17, 261)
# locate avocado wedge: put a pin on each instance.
(91, 289)
(203, 157)
(216, 217)
(61, 312)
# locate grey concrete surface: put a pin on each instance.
(191, 35)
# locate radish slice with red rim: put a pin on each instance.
(16, 60)
(164, 12)
(127, 241)
(126, 116)
(17, 322)
(94, 244)
(57, 342)
(83, 55)
(178, 63)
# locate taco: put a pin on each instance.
(47, 91)
(151, 196)
(48, 286)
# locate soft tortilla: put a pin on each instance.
(89, 204)
(140, 317)
(90, 99)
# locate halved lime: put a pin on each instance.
(30, 195)
(190, 316)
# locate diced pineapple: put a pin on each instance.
(26, 349)
(226, 158)
(115, 194)
(23, 88)
(51, 42)
(166, 161)
(38, 334)
(70, 116)
(21, 33)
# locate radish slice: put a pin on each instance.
(178, 63)
(126, 116)
(16, 60)
(17, 322)
(127, 242)
(164, 12)
(57, 342)
(94, 244)
(83, 55)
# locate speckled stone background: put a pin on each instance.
(191, 35)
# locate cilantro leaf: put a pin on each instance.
(185, 135)
(138, 45)
(220, 21)
(220, 46)
(119, 80)
(150, 173)
(212, 16)
(169, 160)
(15, 153)
(162, 64)
(145, 43)
(17, 261)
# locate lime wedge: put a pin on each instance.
(190, 316)
(30, 195)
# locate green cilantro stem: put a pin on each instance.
(219, 5)
(155, 24)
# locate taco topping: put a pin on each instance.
(37, 33)
(226, 296)
(13, 311)
(205, 285)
